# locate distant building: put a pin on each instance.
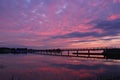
(112, 53)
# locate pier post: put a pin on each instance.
(77, 52)
(68, 52)
(41, 52)
(88, 53)
(51, 52)
(61, 53)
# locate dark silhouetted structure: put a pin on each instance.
(108, 53)
(4, 50)
(112, 53)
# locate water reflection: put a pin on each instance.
(40, 67)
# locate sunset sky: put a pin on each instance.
(59, 23)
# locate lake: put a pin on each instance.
(44, 67)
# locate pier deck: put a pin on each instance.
(82, 52)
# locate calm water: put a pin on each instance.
(42, 67)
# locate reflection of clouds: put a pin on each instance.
(2, 66)
(40, 67)
(79, 66)
(64, 73)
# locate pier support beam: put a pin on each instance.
(61, 53)
(77, 52)
(68, 52)
(88, 53)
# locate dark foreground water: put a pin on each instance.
(42, 67)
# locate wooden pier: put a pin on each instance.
(103, 52)
(82, 52)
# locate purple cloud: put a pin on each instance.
(36, 21)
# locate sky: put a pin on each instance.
(59, 23)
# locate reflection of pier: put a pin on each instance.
(85, 52)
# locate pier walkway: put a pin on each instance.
(83, 52)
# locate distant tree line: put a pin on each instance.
(5, 50)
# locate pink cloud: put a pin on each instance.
(114, 17)
(116, 0)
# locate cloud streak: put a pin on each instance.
(53, 23)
